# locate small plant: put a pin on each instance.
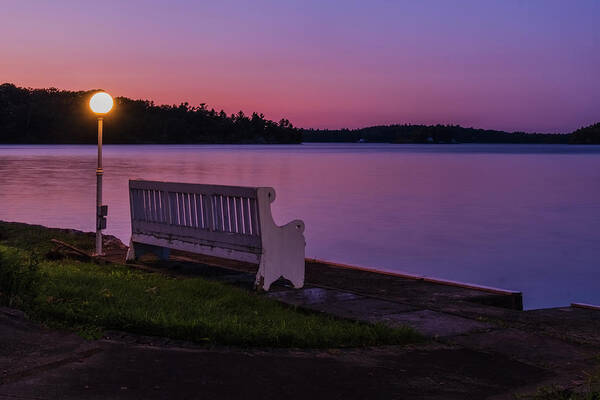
(19, 276)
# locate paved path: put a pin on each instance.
(46, 364)
(478, 351)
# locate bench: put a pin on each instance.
(230, 222)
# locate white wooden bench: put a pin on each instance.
(230, 222)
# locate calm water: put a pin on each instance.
(521, 217)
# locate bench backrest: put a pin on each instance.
(214, 215)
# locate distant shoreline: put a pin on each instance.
(52, 116)
(293, 144)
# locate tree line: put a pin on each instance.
(447, 134)
(52, 116)
(60, 116)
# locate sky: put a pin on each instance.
(512, 65)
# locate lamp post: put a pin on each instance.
(100, 103)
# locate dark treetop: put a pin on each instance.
(59, 116)
(447, 134)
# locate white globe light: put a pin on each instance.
(101, 103)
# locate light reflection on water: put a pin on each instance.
(521, 217)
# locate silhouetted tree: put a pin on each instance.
(587, 135)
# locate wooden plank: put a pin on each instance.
(156, 205)
(131, 208)
(218, 212)
(254, 217)
(132, 199)
(181, 207)
(147, 205)
(181, 220)
(230, 240)
(207, 208)
(152, 205)
(173, 214)
(226, 222)
(71, 247)
(232, 222)
(140, 205)
(164, 204)
(193, 214)
(144, 204)
(136, 211)
(238, 191)
(238, 215)
(187, 209)
(246, 208)
(199, 211)
(211, 250)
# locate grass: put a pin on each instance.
(36, 238)
(91, 298)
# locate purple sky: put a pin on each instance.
(514, 65)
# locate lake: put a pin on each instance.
(520, 217)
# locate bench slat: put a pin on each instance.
(200, 210)
(238, 215)
(246, 210)
(237, 191)
(226, 222)
(232, 223)
(192, 199)
(188, 209)
(164, 208)
(172, 203)
(154, 208)
(140, 204)
(218, 213)
(236, 241)
(207, 213)
(254, 217)
(195, 247)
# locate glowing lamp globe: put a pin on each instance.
(101, 103)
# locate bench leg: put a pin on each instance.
(137, 250)
(130, 252)
(267, 274)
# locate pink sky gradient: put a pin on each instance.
(510, 65)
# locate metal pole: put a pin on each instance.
(99, 173)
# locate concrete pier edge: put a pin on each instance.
(424, 278)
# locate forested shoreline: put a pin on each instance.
(447, 134)
(53, 116)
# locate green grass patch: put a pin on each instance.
(91, 298)
(36, 238)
